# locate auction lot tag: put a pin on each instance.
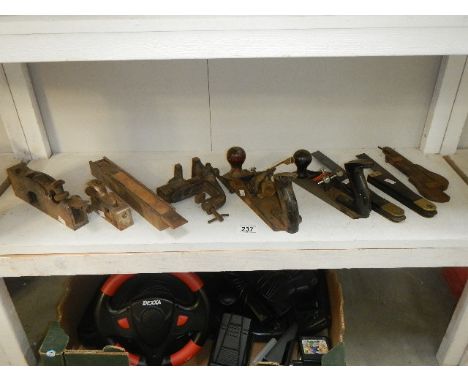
(248, 229)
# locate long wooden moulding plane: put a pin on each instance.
(158, 212)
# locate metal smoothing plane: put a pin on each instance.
(353, 200)
(269, 195)
(380, 205)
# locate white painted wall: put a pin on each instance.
(257, 103)
(464, 137)
(321, 103)
(124, 106)
(4, 143)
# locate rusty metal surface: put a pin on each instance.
(154, 209)
(353, 200)
(202, 183)
(379, 204)
(108, 205)
(47, 194)
(428, 183)
(386, 182)
(269, 195)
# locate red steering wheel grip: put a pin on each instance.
(114, 282)
(133, 359)
(192, 280)
(185, 354)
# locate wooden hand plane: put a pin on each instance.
(154, 209)
(428, 183)
(353, 200)
(202, 183)
(108, 205)
(386, 182)
(47, 194)
(269, 195)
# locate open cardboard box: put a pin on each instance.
(62, 347)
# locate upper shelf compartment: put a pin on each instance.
(47, 38)
(259, 104)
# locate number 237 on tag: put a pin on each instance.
(247, 229)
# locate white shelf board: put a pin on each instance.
(66, 38)
(460, 158)
(32, 243)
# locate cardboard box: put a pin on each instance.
(61, 345)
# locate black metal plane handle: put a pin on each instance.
(357, 180)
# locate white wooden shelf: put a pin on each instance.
(460, 158)
(66, 38)
(32, 243)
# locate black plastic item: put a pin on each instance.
(287, 358)
(277, 288)
(272, 299)
(159, 319)
(312, 311)
(279, 353)
(312, 349)
(233, 344)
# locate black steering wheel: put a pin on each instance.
(154, 323)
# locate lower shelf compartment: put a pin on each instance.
(392, 316)
(309, 300)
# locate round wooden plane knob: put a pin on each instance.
(236, 157)
(302, 159)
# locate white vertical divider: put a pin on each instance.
(457, 118)
(14, 345)
(455, 341)
(11, 121)
(443, 103)
(26, 131)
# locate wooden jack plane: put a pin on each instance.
(48, 195)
